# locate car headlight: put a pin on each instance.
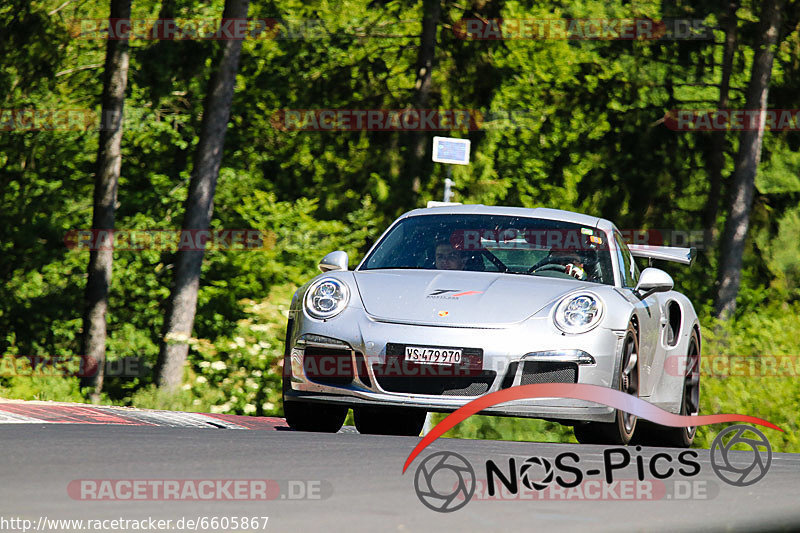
(578, 313)
(326, 298)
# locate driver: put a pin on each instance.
(574, 264)
(448, 258)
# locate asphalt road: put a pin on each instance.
(361, 487)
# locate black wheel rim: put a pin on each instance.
(629, 378)
(691, 385)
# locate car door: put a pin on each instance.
(649, 313)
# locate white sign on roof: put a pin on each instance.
(451, 150)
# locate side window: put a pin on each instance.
(634, 268)
(627, 266)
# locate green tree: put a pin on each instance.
(200, 206)
(747, 159)
(109, 161)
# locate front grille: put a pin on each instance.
(475, 388)
(534, 372)
(424, 381)
(328, 366)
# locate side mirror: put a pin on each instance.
(337, 260)
(653, 280)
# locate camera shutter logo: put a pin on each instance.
(526, 474)
(444, 482)
(753, 467)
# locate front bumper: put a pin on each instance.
(507, 356)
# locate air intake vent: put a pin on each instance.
(328, 366)
(534, 372)
(475, 384)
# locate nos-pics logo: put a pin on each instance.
(445, 481)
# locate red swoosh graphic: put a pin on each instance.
(466, 293)
(578, 391)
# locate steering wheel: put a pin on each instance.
(549, 266)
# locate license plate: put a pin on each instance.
(433, 356)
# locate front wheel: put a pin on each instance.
(306, 416)
(622, 429)
(389, 421)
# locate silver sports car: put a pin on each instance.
(457, 301)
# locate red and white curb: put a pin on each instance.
(21, 412)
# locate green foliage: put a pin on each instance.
(779, 249)
(244, 368)
(770, 332)
(54, 388)
(235, 373)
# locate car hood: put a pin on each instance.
(454, 298)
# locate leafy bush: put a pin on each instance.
(236, 373)
(771, 331)
(54, 388)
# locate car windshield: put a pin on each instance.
(495, 243)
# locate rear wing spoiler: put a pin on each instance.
(665, 253)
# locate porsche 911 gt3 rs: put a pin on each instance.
(454, 302)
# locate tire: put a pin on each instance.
(305, 416)
(389, 421)
(590, 433)
(622, 430)
(656, 435)
(287, 363)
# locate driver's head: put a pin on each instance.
(448, 258)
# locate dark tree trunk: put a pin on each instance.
(416, 162)
(716, 158)
(109, 161)
(199, 208)
(742, 184)
(167, 10)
